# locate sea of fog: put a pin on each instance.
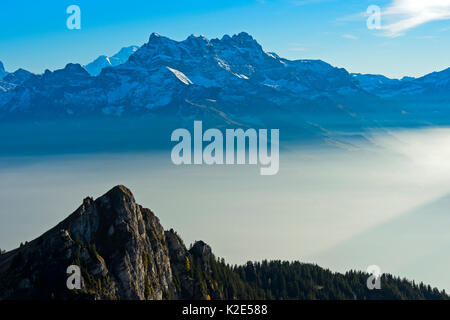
(383, 203)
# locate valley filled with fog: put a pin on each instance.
(384, 201)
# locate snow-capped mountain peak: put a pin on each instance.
(95, 67)
(3, 73)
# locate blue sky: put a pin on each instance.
(414, 39)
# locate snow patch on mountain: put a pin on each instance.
(181, 76)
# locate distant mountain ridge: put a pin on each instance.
(124, 253)
(230, 81)
(436, 82)
(165, 71)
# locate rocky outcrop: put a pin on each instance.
(190, 267)
(121, 248)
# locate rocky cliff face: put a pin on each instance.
(120, 247)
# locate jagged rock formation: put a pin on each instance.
(124, 253)
(122, 250)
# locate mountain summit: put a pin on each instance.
(3, 73)
(95, 67)
(124, 253)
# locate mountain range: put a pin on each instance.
(230, 81)
(123, 252)
(232, 70)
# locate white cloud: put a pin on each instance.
(403, 15)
